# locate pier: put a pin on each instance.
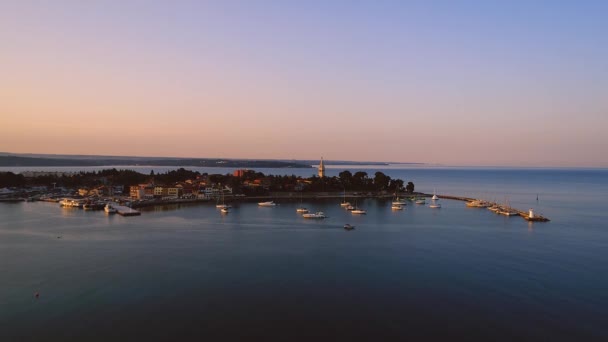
(527, 215)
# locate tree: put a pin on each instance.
(346, 178)
(410, 187)
(381, 181)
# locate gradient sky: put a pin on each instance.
(519, 83)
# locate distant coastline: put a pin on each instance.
(8, 159)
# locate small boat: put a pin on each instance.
(349, 227)
(223, 205)
(399, 201)
(109, 209)
(317, 215)
(434, 198)
(358, 211)
(435, 205)
(420, 201)
(225, 210)
(302, 210)
(478, 204)
(350, 207)
(397, 207)
(344, 203)
(267, 204)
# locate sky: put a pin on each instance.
(513, 83)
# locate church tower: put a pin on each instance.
(321, 169)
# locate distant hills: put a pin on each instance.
(41, 160)
(8, 160)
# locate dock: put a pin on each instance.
(126, 211)
(527, 215)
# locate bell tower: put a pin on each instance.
(321, 169)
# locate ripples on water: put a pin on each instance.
(268, 273)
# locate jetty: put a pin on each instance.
(126, 211)
(529, 215)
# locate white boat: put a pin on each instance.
(435, 205)
(359, 211)
(350, 207)
(434, 198)
(267, 204)
(344, 203)
(349, 227)
(109, 209)
(317, 215)
(223, 205)
(399, 201)
(397, 207)
(420, 201)
(225, 210)
(301, 209)
(478, 204)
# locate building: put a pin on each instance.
(321, 169)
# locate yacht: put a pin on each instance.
(434, 198)
(399, 201)
(350, 207)
(225, 210)
(223, 205)
(267, 204)
(396, 206)
(109, 209)
(302, 210)
(359, 211)
(478, 204)
(317, 215)
(420, 200)
(349, 227)
(344, 203)
(435, 205)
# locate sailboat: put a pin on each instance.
(434, 200)
(301, 209)
(398, 201)
(358, 211)
(344, 203)
(223, 205)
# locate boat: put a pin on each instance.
(508, 212)
(399, 201)
(223, 205)
(350, 207)
(396, 207)
(70, 202)
(317, 215)
(301, 209)
(359, 211)
(225, 210)
(109, 209)
(349, 227)
(434, 198)
(420, 200)
(434, 205)
(344, 203)
(477, 204)
(267, 204)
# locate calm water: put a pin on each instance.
(268, 273)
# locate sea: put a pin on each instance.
(188, 272)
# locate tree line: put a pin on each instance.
(249, 183)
